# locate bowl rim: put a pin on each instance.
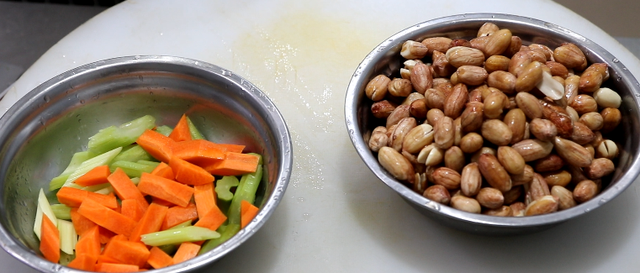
(285, 153)
(357, 84)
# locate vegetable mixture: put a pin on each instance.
(145, 197)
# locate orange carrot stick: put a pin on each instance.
(234, 164)
(198, 151)
(49, 240)
(95, 176)
(156, 144)
(158, 258)
(189, 173)
(80, 223)
(151, 221)
(177, 214)
(127, 252)
(89, 243)
(83, 262)
(125, 188)
(247, 212)
(162, 202)
(181, 131)
(227, 147)
(213, 219)
(165, 189)
(205, 198)
(73, 197)
(106, 217)
(186, 251)
(163, 170)
(107, 235)
(132, 209)
(114, 267)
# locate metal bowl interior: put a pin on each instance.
(42, 130)
(385, 59)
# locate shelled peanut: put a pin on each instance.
(491, 125)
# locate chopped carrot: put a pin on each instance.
(186, 251)
(89, 243)
(95, 176)
(181, 131)
(132, 209)
(151, 221)
(125, 188)
(127, 252)
(189, 173)
(212, 220)
(227, 147)
(177, 214)
(83, 262)
(234, 164)
(106, 217)
(158, 258)
(107, 235)
(73, 197)
(162, 202)
(247, 212)
(49, 240)
(106, 259)
(80, 223)
(163, 170)
(198, 151)
(115, 267)
(166, 189)
(117, 237)
(204, 197)
(156, 144)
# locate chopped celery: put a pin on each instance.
(246, 190)
(224, 185)
(164, 129)
(133, 153)
(44, 208)
(149, 162)
(181, 225)
(195, 133)
(95, 188)
(111, 137)
(135, 180)
(226, 232)
(105, 190)
(169, 249)
(61, 211)
(179, 235)
(87, 165)
(68, 236)
(76, 160)
(223, 191)
(132, 169)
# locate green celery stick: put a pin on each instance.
(105, 190)
(133, 153)
(223, 191)
(169, 249)
(246, 190)
(44, 208)
(149, 162)
(61, 211)
(132, 169)
(89, 164)
(135, 180)
(111, 137)
(95, 188)
(226, 232)
(195, 133)
(181, 225)
(164, 129)
(76, 160)
(68, 236)
(179, 235)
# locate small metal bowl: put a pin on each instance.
(385, 59)
(42, 130)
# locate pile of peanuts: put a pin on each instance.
(490, 125)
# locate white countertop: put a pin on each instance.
(336, 216)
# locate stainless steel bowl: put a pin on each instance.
(385, 59)
(42, 130)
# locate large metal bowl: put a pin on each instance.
(41, 131)
(385, 59)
